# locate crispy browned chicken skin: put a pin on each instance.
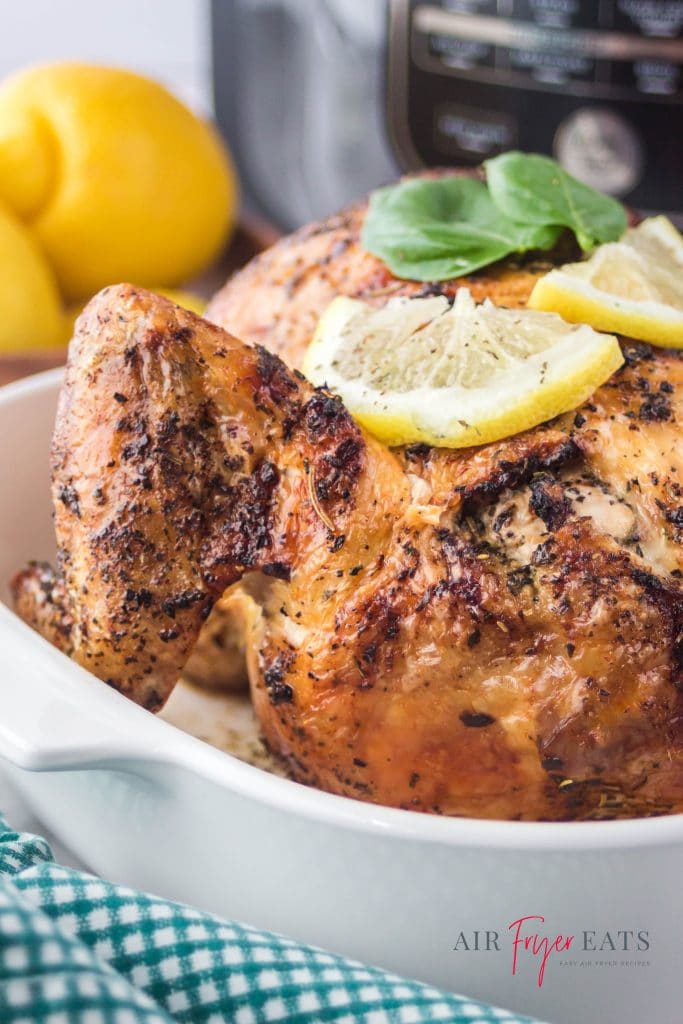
(495, 633)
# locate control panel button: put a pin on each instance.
(548, 66)
(659, 18)
(557, 13)
(463, 54)
(600, 148)
(657, 77)
(471, 6)
(472, 132)
(649, 76)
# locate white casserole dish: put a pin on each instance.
(144, 803)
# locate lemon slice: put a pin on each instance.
(419, 370)
(634, 286)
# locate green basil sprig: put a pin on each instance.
(435, 229)
(533, 188)
(439, 228)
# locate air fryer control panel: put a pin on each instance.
(596, 83)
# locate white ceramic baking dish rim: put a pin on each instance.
(56, 716)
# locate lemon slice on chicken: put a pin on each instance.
(419, 370)
(634, 286)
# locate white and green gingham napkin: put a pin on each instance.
(77, 950)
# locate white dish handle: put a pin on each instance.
(55, 716)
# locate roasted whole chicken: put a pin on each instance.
(496, 632)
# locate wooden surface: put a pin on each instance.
(251, 236)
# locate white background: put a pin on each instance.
(167, 39)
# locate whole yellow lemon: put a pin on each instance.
(31, 314)
(117, 179)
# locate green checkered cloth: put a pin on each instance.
(77, 950)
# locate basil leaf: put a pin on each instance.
(440, 228)
(533, 188)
